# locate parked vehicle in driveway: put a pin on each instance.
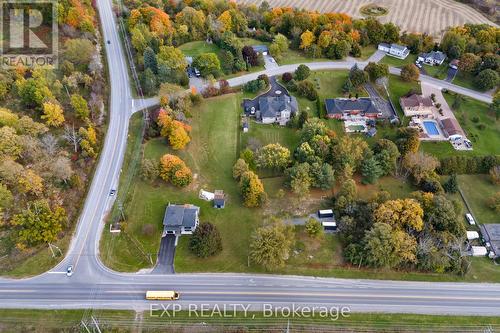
(470, 219)
(69, 270)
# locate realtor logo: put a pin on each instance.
(29, 33)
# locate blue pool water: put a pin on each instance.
(431, 128)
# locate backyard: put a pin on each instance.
(479, 124)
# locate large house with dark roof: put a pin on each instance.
(341, 108)
(275, 106)
(277, 109)
(180, 219)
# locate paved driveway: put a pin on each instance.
(269, 62)
(165, 262)
(451, 74)
(377, 56)
(381, 103)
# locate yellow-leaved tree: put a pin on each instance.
(53, 114)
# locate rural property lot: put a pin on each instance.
(431, 16)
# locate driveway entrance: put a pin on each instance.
(166, 254)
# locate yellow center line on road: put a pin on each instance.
(322, 295)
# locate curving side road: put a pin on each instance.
(95, 286)
(329, 65)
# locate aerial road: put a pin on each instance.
(95, 286)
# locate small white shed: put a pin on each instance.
(479, 251)
(471, 235)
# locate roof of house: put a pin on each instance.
(415, 100)
(269, 106)
(341, 105)
(384, 45)
(398, 47)
(451, 126)
(260, 48)
(436, 55)
(177, 216)
(491, 234)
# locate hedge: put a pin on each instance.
(467, 164)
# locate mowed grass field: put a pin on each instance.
(431, 16)
(477, 189)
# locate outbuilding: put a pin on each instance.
(325, 213)
(471, 235)
(329, 226)
(479, 251)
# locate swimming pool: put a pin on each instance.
(431, 128)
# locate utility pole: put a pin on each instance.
(96, 324)
(85, 326)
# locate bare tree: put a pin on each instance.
(50, 144)
(71, 135)
(61, 169)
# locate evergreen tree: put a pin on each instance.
(451, 185)
(371, 170)
(150, 60)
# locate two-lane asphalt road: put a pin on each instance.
(95, 286)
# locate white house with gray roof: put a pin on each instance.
(432, 58)
(180, 219)
(394, 50)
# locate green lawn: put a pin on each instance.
(473, 115)
(398, 188)
(396, 62)
(439, 72)
(263, 134)
(367, 51)
(329, 85)
(68, 320)
(23, 320)
(465, 80)
(398, 88)
(40, 261)
(297, 57)
(192, 49)
(477, 189)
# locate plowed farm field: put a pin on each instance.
(431, 16)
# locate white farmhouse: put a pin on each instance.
(394, 50)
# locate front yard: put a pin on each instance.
(396, 62)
